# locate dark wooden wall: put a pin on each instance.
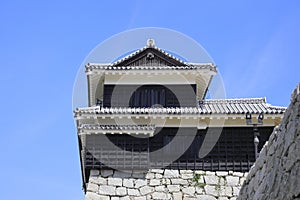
(233, 151)
(149, 95)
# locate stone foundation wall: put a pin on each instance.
(276, 173)
(164, 184)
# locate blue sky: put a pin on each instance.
(43, 43)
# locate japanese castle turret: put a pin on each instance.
(148, 111)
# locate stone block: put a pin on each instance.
(146, 190)
(221, 173)
(115, 198)
(206, 197)
(91, 196)
(173, 188)
(104, 197)
(94, 172)
(98, 180)
(160, 188)
(189, 191)
(187, 176)
(211, 190)
(128, 183)
(106, 173)
(154, 182)
(211, 180)
(221, 181)
(222, 198)
(92, 187)
(228, 191)
(171, 173)
(177, 196)
(121, 191)
(222, 191)
(186, 171)
(210, 173)
(158, 176)
(201, 172)
(133, 192)
(235, 191)
(158, 171)
(107, 190)
(165, 181)
(232, 180)
(114, 181)
(150, 175)
(159, 195)
(140, 182)
(239, 174)
(179, 181)
(199, 190)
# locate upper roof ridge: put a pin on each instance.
(150, 45)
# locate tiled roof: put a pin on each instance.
(93, 66)
(239, 106)
(143, 49)
(216, 106)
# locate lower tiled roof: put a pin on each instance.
(211, 106)
(239, 106)
(88, 129)
(116, 127)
